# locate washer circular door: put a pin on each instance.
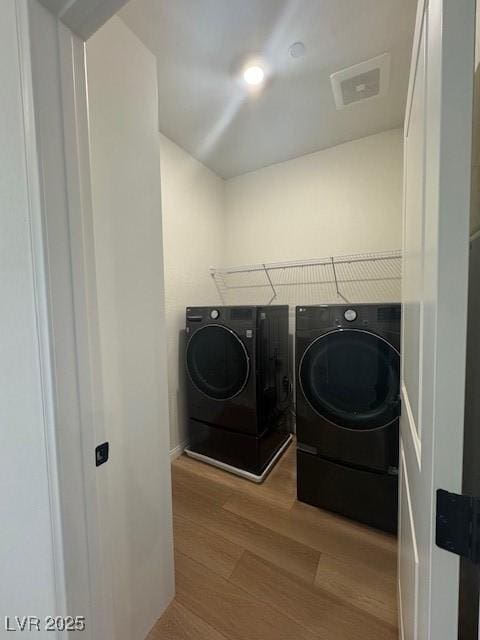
(217, 362)
(351, 377)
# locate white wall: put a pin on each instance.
(342, 200)
(193, 241)
(122, 83)
(27, 567)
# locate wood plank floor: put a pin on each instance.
(252, 563)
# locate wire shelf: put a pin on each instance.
(368, 277)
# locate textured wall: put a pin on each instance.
(193, 241)
(342, 200)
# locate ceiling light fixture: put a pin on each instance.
(254, 75)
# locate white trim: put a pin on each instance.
(52, 92)
(401, 632)
(87, 339)
(177, 451)
(413, 534)
(40, 285)
(421, 8)
(430, 596)
(401, 625)
(241, 472)
(412, 432)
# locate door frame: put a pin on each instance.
(469, 590)
(57, 157)
(438, 454)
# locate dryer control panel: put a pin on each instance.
(234, 317)
(355, 315)
(382, 319)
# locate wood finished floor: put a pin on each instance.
(252, 563)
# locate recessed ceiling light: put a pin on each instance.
(254, 75)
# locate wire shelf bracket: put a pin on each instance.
(336, 281)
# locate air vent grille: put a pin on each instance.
(361, 82)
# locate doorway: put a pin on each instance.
(81, 301)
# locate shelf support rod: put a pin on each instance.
(271, 285)
(217, 286)
(336, 280)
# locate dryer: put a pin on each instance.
(238, 386)
(348, 407)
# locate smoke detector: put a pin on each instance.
(297, 50)
(363, 81)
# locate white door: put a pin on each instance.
(137, 532)
(436, 234)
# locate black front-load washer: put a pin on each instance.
(238, 386)
(348, 406)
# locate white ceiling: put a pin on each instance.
(200, 44)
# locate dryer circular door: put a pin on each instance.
(351, 378)
(217, 362)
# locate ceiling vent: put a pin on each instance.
(363, 81)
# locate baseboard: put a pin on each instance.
(178, 450)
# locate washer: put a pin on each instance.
(238, 386)
(348, 407)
